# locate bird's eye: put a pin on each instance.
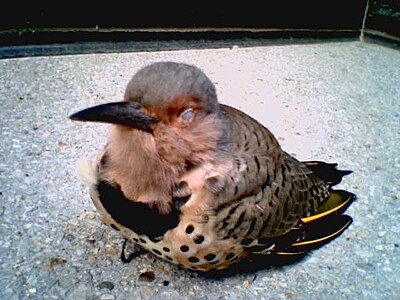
(187, 114)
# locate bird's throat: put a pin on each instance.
(138, 170)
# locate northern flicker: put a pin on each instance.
(201, 184)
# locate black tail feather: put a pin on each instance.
(326, 224)
(318, 234)
(327, 171)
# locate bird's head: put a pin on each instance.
(170, 109)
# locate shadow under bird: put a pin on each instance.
(201, 184)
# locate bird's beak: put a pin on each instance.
(123, 113)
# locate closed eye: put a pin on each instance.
(187, 115)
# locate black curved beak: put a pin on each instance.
(123, 113)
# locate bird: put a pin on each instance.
(202, 184)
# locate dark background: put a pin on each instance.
(278, 14)
(34, 23)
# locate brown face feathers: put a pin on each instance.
(147, 166)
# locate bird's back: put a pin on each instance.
(269, 190)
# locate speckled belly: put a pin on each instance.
(192, 246)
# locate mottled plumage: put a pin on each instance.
(201, 184)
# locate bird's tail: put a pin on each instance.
(312, 232)
(327, 172)
(319, 229)
(328, 221)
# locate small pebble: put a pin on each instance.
(147, 276)
(57, 261)
(91, 258)
(245, 284)
(106, 285)
(90, 216)
(69, 237)
(106, 297)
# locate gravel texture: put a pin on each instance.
(338, 102)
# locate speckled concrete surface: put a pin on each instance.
(334, 101)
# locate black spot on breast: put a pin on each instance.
(166, 249)
(168, 257)
(137, 216)
(246, 242)
(156, 251)
(193, 259)
(142, 241)
(209, 257)
(184, 248)
(199, 239)
(189, 229)
(230, 256)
